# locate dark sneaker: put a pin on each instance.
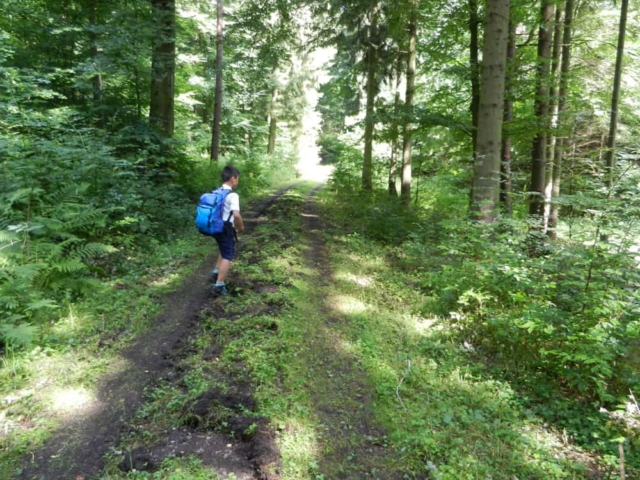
(219, 291)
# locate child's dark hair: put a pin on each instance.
(228, 173)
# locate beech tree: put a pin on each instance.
(405, 191)
(372, 55)
(474, 23)
(161, 108)
(562, 122)
(615, 96)
(486, 179)
(539, 146)
(505, 155)
(554, 99)
(395, 131)
(217, 109)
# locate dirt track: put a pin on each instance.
(77, 449)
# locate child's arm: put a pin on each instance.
(237, 221)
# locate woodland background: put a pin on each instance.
(497, 143)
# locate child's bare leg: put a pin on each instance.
(223, 269)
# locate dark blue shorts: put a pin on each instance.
(227, 242)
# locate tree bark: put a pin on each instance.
(273, 122)
(393, 166)
(553, 111)
(562, 102)
(486, 179)
(539, 146)
(161, 108)
(505, 157)
(372, 60)
(405, 190)
(217, 105)
(610, 160)
(96, 80)
(474, 70)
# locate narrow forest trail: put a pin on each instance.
(78, 447)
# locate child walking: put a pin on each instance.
(227, 239)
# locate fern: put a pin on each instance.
(22, 334)
(68, 266)
(41, 304)
(7, 237)
(90, 251)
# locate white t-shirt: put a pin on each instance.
(231, 203)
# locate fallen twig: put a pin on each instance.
(406, 372)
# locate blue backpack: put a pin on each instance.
(209, 219)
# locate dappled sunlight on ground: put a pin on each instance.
(71, 400)
(360, 280)
(348, 304)
(164, 281)
(68, 327)
(424, 326)
(299, 446)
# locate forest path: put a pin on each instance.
(77, 449)
(235, 383)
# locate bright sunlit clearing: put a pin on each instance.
(309, 166)
(69, 400)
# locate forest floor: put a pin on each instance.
(318, 365)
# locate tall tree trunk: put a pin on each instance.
(393, 165)
(96, 80)
(539, 146)
(163, 61)
(217, 103)
(553, 111)
(405, 190)
(615, 97)
(505, 157)
(273, 122)
(372, 60)
(562, 103)
(475, 72)
(486, 178)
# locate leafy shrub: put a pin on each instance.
(561, 314)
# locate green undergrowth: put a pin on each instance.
(489, 360)
(57, 374)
